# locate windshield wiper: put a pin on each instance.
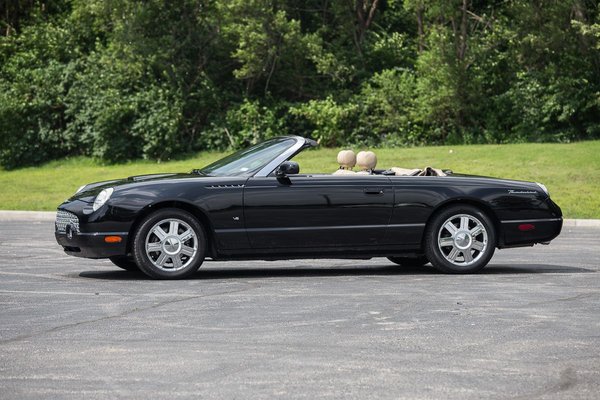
(196, 171)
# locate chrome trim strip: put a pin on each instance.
(102, 234)
(309, 228)
(522, 221)
(372, 180)
(406, 225)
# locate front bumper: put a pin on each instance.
(92, 245)
(74, 235)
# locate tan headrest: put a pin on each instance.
(346, 159)
(366, 160)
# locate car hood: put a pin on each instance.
(91, 190)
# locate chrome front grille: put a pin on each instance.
(64, 218)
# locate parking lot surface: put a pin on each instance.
(528, 327)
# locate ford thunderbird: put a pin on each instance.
(255, 204)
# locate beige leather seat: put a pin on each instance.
(347, 161)
(427, 171)
(366, 161)
(405, 171)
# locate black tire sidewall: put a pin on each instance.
(409, 261)
(139, 244)
(433, 252)
(124, 262)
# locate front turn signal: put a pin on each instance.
(113, 239)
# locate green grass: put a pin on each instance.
(570, 171)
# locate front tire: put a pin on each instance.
(460, 240)
(169, 244)
(125, 263)
(409, 261)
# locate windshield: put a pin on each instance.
(248, 161)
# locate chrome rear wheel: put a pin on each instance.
(460, 239)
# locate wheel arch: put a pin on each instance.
(196, 211)
(483, 206)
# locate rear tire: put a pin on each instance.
(125, 263)
(460, 239)
(409, 261)
(169, 244)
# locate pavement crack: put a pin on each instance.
(119, 315)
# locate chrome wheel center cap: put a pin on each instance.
(171, 245)
(463, 240)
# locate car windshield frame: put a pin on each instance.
(258, 160)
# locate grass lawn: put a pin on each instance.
(570, 171)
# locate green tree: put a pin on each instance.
(121, 79)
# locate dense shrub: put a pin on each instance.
(333, 122)
(156, 79)
(245, 124)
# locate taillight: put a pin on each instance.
(526, 227)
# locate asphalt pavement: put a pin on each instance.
(527, 327)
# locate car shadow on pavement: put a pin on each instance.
(532, 269)
(212, 272)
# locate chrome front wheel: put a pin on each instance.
(171, 244)
(125, 263)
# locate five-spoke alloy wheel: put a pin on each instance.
(460, 239)
(169, 244)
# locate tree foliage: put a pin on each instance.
(123, 79)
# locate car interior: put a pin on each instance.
(366, 161)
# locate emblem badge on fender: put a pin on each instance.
(512, 191)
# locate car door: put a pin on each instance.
(317, 211)
(414, 199)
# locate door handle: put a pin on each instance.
(373, 190)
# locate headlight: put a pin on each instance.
(80, 188)
(102, 198)
(543, 187)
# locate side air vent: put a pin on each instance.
(225, 186)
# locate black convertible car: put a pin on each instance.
(254, 204)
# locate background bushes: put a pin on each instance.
(158, 79)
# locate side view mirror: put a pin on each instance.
(287, 168)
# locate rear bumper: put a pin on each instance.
(530, 232)
(92, 245)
